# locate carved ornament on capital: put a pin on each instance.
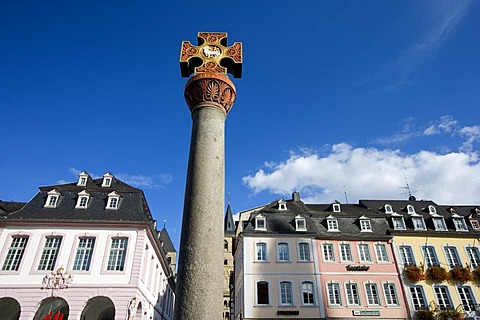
(210, 89)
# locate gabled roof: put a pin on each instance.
(7, 207)
(133, 206)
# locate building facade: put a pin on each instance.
(84, 250)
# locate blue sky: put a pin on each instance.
(337, 97)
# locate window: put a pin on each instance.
(398, 223)
(260, 223)
(466, 297)
(410, 209)
(473, 256)
(371, 291)
(107, 179)
(418, 223)
(84, 254)
(282, 205)
(365, 225)
(286, 296)
(113, 200)
(15, 253)
(381, 252)
(307, 293)
(475, 224)
(345, 252)
(82, 179)
(332, 225)
(460, 224)
(52, 199)
(418, 297)
(364, 253)
(262, 293)
(406, 254)
(443, 297)
(429, 256)
(336, 207)
(432, 210)
(328, 254)
(439, 224)
(452, 256)
(261, 251)
(82, 201)
(334, 297)
(303, 251)
(225, 245)
(390, 294)
(352, 294)
(118, 252)
(50, 253)
(225, 262)
(388, 209)
(283, 254)
(300, 224)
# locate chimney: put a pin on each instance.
(296, 196)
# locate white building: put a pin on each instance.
(100, 236)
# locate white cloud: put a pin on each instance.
(371, 173)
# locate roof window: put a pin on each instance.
(300, 223)
(52, 199)
(388, 209)
(113, 201)
(107, 180)
(282, 205)
(82, 201)
(82, 179)
(260, 223)
(410, 209)
(432, 210)
(336, 207)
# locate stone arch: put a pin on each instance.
(99, 308)
(52, 306)
(10, 309)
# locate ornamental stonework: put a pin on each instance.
(210, 89)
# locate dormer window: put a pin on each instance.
(410, 209)
(52, 199)
(260, 223)
(475, 224)
(82, 179)
(398, 223)
(282, 205)
(107, 179)
(300, 223)
(439, 224)
(336, 207)
(388, 209)
(460, 224)
(453, 211)
(418, 223)
(365, 224)
(82, 201)
(432, 210)
(332, 224)
(113, 201)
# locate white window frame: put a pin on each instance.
(345, 250)
(113, 202)
(400, 225)
(442, 296)
(283, 252)
(82, 200)
(365, 225)
(467, 298)
(410, 209)
(352, 294)
(388, 209)
(82, 261)
(418, 298)
(332, 224)
(336, 207)
(51, 249)
(406, 254)
(304, 252)
(308, 293)
(261, 252)
(432, 209)
(473, 254)
(419, 223)
(117, 254)
(282, 205)
(107, 180)
(334, 294)
(328, 252)
(372, 294)
(381, 252)
(364, 254)
(82, 179)
(475, 224)
(460, 224)
(439, 223)
(286, 293)
(391, 294)
(300, 223)
(52, 199)
(452, 256)
(259, 220)
(430, 255)
(12, 261)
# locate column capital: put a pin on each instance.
(210, 89)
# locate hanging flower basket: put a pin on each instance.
(424, 315)
(436, 274)
(414, 273)
(449, 314)
(461, 274)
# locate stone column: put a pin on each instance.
(199, 293)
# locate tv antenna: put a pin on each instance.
(345, 193)
(409, 191)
